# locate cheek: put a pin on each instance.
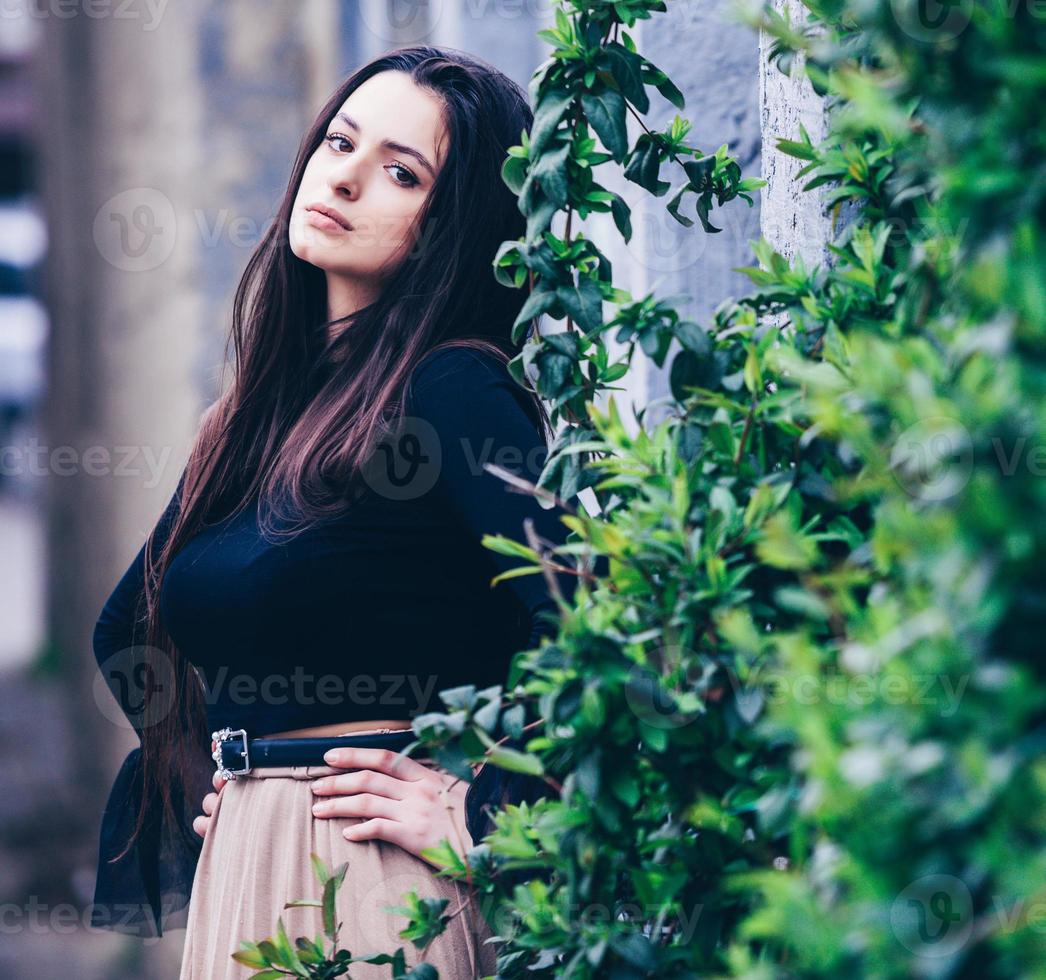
(408, 231)
(389, 230)
(300, 233)
(308, 183)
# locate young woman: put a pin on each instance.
(318, 571)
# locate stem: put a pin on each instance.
(744, 432)
(650, 132)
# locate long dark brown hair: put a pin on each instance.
(302, 413)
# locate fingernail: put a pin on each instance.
(320, 807)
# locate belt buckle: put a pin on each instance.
(221, 737)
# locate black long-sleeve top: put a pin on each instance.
(365, 617)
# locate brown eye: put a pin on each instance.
(335, 136)
(411, 180)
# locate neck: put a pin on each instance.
(346, 296)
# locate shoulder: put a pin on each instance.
(470, 388)
(454, 374)
(459, 361)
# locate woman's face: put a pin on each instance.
(376, 188)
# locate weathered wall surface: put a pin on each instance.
(714, 60)
(792, 221)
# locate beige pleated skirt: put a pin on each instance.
(255, 857)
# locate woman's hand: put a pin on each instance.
(200, 824)
(405, 802)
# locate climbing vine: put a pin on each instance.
(797, 728)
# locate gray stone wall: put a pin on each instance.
(714, 61)
(793, 221)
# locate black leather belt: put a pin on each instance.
(236, 755)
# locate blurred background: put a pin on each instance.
(143, 148)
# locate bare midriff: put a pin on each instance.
(342, 728)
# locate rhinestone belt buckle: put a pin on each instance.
(226, 735)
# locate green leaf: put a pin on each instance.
(803, 151)
(514, 173)
(700, 172)
(319, 868)
(515, 761)
(782, 546)
(622, 216)
(550, 170)
(674, 203)
(288, 956)
(503, 545)
(250, 955)
(605, 112)
(547, 117)
(644, 165)
(664, 85)
(443, 855)
(538, 302)
(583, 302)
(329, 912)
(627, 69)
(539, 217)
(515, 573)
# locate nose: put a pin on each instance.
(345, 177)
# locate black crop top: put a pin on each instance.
(367, 616)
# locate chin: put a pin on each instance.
(330, 260)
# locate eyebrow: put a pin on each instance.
(391, 144)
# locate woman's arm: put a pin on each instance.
(143, 891)
(475, 410)
(474, 407)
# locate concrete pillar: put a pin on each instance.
(266, 67)
(793, 221)
(119, 155)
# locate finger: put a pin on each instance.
(357, 805)
(379, 829)
(382, 760)
(209, 802)
(217, 781)
(361, 781)
(200, 825)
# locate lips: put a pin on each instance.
(330, 213)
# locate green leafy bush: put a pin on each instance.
(798, 728)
